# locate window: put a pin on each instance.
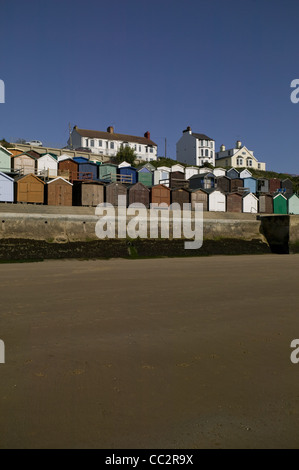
(207, 153)
(112, 145)
(86, 142)
(243, 153)
(228, 153)
(139, 148)
(200, 143)
(211, 144)
(211, 153)
(201, 153)
(92, 143)
(135, 147)
(151, 149)
(249, 162)
(100, 143)
(259, 166)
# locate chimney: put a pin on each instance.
(110, 129)
(75, 127)
(188, 130)
(238, 144)
(147, 135)
(222, 148)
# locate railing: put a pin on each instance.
(116, 178)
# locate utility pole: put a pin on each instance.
(70, 129)
(165, 147)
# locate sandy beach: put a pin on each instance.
(150, 354)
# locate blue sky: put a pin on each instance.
(223, 67)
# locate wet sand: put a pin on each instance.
(152, 354)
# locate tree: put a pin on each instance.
(21, 141)
(125, 153)
(4, 143)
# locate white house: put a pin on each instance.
(47, 165)
(238, 157)
(195, 149)
(250, 203)
(108, 143)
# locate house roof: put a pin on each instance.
(114, 136)
(24, 153)
(59, 178)
(203, 175)
(30, 175)
(201, 136)
(5, 150)
(6, 176)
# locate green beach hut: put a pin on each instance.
(5, 160)
(107, 171)
(280, 204)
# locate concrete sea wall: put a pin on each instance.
(43, 232)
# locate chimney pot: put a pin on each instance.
(147, 135)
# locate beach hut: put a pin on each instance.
(6, 188)
(223, 183)
(205, 169)
(160, 194)
(219, 172)
(177, 179)
(266, 204)
(127, 174)
(124, 164)
(87, 170)
(5, 160)
(29, 188)
(15, 151)
(190, 171)
(280, 204)
(25, 163)
(113, 191)
(287, 187)
(47, 165)
(59, 192)
(145, 176)
(293, 204)
(107, 172)
(88, 193)
(250, 184)
(250, 203)
(263, 185)
(149, 166)
(139, 193)
(161, 175)
(177, 167)
(274, 185)
(199, 196)
(236, 185)
(70, 167)
(180, 196)
(234, 202)
(245, 173)
(232, 173)
(217, 201)
(36, 154)
(202, 181)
